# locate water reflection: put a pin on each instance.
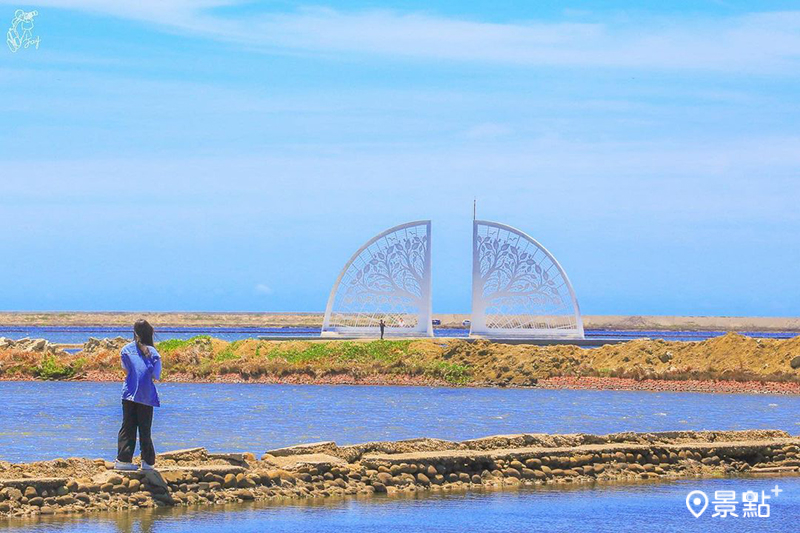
(591, 509)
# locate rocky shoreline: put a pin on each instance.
(320, 470)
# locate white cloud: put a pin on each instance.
(263, 289)
(765, 42)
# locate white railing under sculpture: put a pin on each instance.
(518, 288)
(389, 279)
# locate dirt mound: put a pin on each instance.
(731, 357)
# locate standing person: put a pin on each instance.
(142, 363)
(382, 325)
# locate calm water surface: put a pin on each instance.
(79, 335)
(657, 507)
(42, 420)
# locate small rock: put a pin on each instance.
(533, 464)
(30, 492)
(245, 494)
(13, 493)
(38, 501)
(795, 362)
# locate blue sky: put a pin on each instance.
(225, 155)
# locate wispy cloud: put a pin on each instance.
(762, 42)
(263, 289)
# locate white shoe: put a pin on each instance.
(119, 465)
(146, 466)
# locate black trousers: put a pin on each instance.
(136, 416)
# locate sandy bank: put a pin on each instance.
(314, 320)
(731, 363)
(324, 469)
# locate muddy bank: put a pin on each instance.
(731, 363)
(324, 469)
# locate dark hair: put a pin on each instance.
(143, 333)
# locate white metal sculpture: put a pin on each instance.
(518, 287)
(389, 279)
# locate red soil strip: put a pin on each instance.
(554, 383)
(663, 385)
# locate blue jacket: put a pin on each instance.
(138, 386)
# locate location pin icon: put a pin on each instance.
(697, 501)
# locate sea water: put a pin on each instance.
(45, 420)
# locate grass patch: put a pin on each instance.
(451, 372)
(228, 353)
(175, 344)
(385, 351)
(51, 368)
(315, 352)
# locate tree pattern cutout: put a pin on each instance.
(393, 275)
(512, 277)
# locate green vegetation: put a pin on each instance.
(452, 373)
(386, 351)
(338, 352)
(228, 353)
(52, 368)
(175, 344)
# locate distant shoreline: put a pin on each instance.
(314, 320)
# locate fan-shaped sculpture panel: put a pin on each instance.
(518, 287)
(389, 279)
